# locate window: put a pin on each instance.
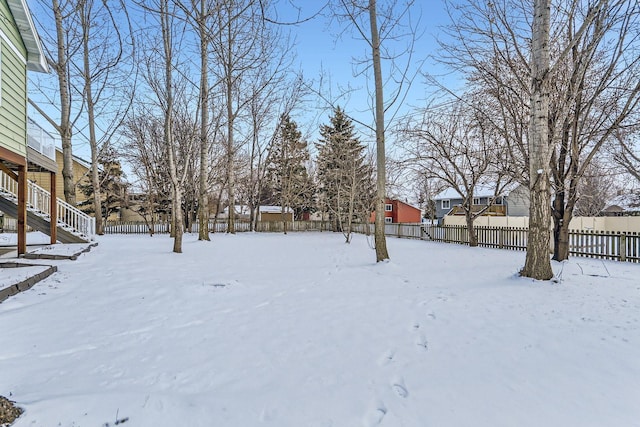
(497, 201)
(388, 207)
(476, 200)
(388, 220)
(446, 204)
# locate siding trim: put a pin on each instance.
(13, 47)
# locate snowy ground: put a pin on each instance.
(303, 330)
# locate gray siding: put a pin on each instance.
(518, 202)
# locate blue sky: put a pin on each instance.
(323, 45)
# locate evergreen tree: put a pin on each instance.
(289, 179)
(344, 175)
(113, 188)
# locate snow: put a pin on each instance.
(480, 190)
(14, 275)
(303, 330)
(33, 238)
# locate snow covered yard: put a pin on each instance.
(303, 330)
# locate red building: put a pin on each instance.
(396, 212)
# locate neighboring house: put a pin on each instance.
(513, 201)
(623, 205)
(274, 214)
(20, 50)
(81, 170)
(265, 213)
(398, 212)
(241, 212)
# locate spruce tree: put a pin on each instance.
(289, 179)
(344, 176)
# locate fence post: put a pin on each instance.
(623, 247)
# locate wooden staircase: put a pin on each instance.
(73, 225)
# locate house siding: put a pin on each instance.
(80, 176)
(405, 214)
(440, 213)
(13, 86)
(518, 202)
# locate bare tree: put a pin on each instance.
(537, 264)
(144, 151)
(160, 61)
(243, 42)
(200, 13)
(453, 145)
(61, 49)
(580, 78)
(628, 157)
(596, 188)
(381, 27)
(102, 83)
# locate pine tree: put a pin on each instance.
(289, 179)
(344, 176)
(113, 188)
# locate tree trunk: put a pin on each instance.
(473, 238)
(537, 262)
(93, 143)
(177, 221)
(380, 239)
(65, 108)
(203, 194)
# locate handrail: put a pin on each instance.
(39, 201)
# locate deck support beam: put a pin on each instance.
(53, 217)
(22, 210)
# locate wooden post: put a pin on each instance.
(54, 209)
(623, 247)
(22, 210)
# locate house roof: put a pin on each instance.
(274, 209)
(79, 160)
(404, 203)
(36, 60)
(481, 190)
(629, 202)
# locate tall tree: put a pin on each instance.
(344, 177)
(61, 50)
(242, 43)
(382, 27)
(201, 13)
(578, 71)
(537, 263)
(288, 169)
(103, 52)
(380, 239)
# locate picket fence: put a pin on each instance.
(585, 243)
(140, 227)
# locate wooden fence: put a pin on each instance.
(140, 227)
(585, 243)
(593, 244)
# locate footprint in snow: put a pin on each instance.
(422, 342)
(374, 416)
(399, 387)
(386, 358)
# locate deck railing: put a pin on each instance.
(39, 201)
(41, 140)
